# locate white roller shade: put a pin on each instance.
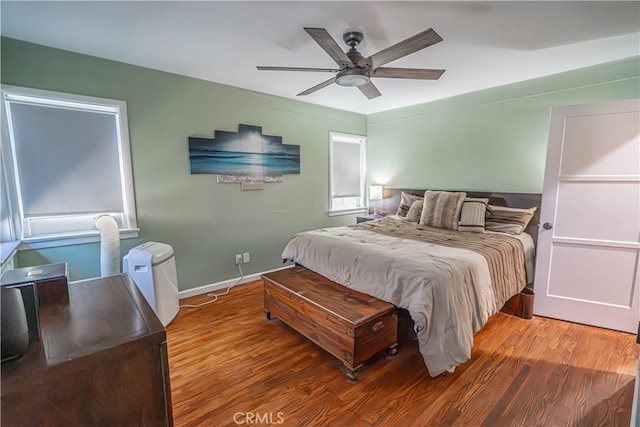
(346, 169)
(347, 173)
(69, 160)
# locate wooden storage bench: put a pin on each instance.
(350, 325)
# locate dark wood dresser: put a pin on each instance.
(101, 360)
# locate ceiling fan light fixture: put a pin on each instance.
(352, 77)
(357, 71)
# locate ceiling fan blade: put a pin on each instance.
(324, 39)
(407, 73)
(320, 70)
(412, 44)
(317, 87)
(370, 90)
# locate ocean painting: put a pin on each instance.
(245, 156)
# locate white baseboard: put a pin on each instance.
(223, 285)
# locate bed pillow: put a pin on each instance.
(415, 211)
(406, 200)
(442, 209)
(472, 215)
(508, 220)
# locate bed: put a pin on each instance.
(450, 281)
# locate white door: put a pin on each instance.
(589, 239)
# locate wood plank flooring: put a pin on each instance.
(230, 366)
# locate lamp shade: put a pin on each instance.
(375, 192)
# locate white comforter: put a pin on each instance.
(447, 291)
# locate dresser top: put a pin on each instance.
(102, 313)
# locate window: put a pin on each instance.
(347, 159)
(67, 161)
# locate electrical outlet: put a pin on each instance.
(238, 259)
(246, 257)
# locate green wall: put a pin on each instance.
(491, 140)
(206, 223)
(488, 140)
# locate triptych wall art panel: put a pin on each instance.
(247, 156)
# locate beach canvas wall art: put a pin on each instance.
(246, 156)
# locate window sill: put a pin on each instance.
(52, 241)
(347, 212)
(8, 250)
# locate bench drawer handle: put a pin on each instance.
(378, 325)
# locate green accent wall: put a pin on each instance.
(205, 222)
(490, 140)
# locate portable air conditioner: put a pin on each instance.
(152, 267)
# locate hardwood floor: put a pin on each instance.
(230, 366)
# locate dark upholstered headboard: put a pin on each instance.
(389, 204)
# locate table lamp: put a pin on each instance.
(375, 194)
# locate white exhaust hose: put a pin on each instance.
(109, 245)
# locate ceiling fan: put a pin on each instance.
(355, 70)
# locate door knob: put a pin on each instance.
(547, 226)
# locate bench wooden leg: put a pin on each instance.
(351, 374)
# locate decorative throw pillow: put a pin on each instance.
(406, 200)
(442, 209)
(472, 215)
(415, 211)
(508, 220)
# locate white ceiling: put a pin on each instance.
(486, 44)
